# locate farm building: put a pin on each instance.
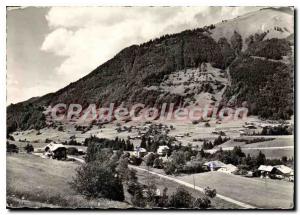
(56, 151)
(214, 165)
(282, 171)
(266, 171)
(228, 168)
(140, 152)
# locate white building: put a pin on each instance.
(162, 150)
(228, 168)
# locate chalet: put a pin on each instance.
(228, 168)
(162, 150)
(214, 165)
(282, 171)
(266, 171)
(56, 151)
(140, 152)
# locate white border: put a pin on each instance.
(5, 3)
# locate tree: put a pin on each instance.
(169, 168)
(181, 199)
(260, 159)
(236, 42)
(150, 159)
(178, 158)
(210, 192)
(122, 169)
(187, 155)
(143, 142)
(158, 163)
(29, 148)
(97, 179)
(202, 202)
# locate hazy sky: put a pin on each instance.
(47, 48)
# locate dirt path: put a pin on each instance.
(241, 204)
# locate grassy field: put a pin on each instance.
(278, 141)
(268, 194)
(273, 149)
(33, 182)
(271, 153)
(161, 183)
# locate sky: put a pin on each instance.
(50, 47)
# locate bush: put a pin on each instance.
(150, 159)
(181, 199)
(29, 148)
(202, 203)
(158, 163)
(192, 167)
(169, 168)
(134, 160)
(72, 151)
(11, 148)
(97, 179)
(210, 192)
(60, 128)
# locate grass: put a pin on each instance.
(262, 193)
(161, 183)
(266, 147)
(278, 141)
(33, 181)
(271, 153)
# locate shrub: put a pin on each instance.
(134, 160)
(11, 148)
(169, 168)
(158, 163)
(210, 192)
(181, 199)
(29, 148)
(202, 202)
(97, 179)
(72, 151)
(150, 159)
(60, 128)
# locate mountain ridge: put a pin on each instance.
(123, 78)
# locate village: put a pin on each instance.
(198, 152)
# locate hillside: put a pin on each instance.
(251, 48)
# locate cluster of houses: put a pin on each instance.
(273, 172)
(278, 172)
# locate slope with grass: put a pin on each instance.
(33, 182)
(267, 194)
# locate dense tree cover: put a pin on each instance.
(271, 48)
(254, 140)
(115, 144)
(267, 87)
(218, 141)
(277, 130)
(25, 116)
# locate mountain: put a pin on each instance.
(248, 59)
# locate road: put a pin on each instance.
(241, 204)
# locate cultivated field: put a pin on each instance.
(262, 193)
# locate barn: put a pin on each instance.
(56, 151)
